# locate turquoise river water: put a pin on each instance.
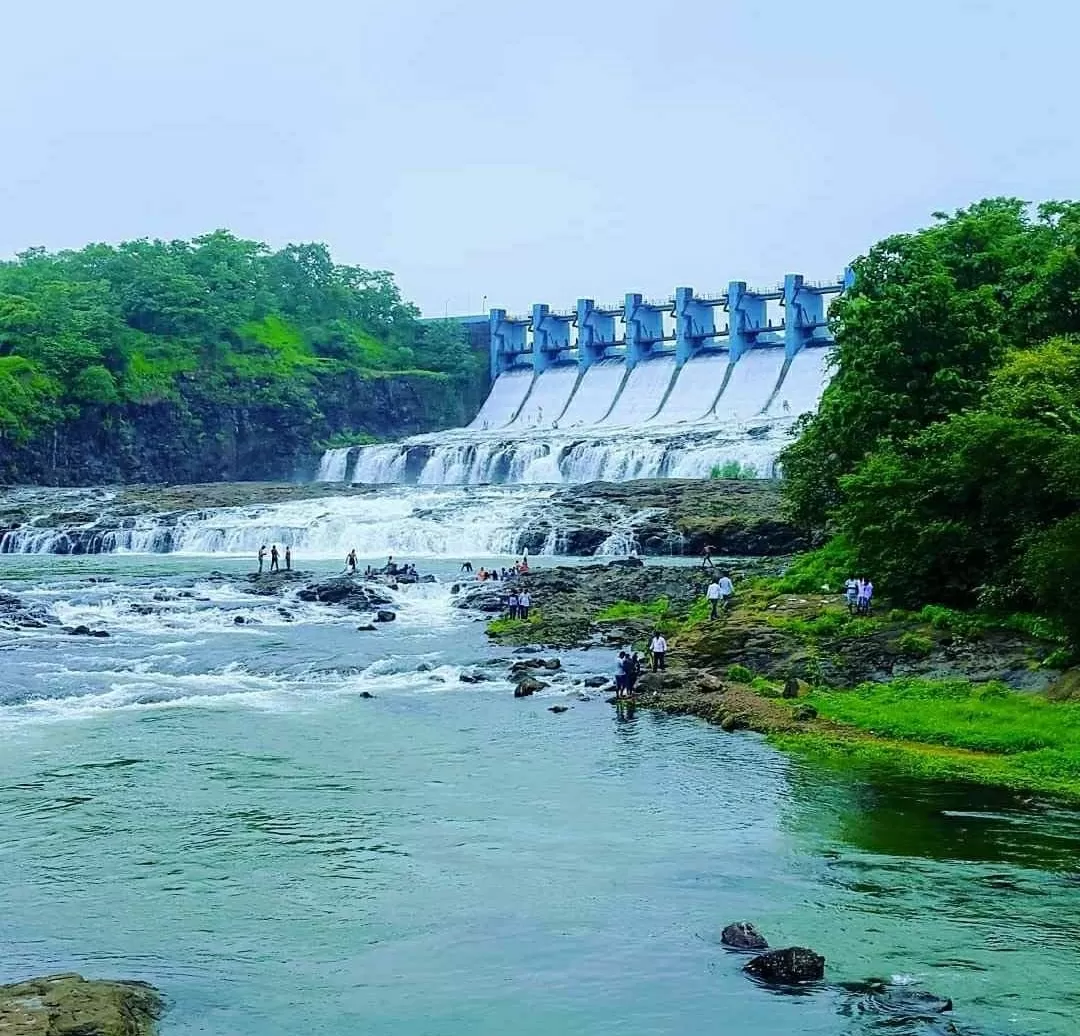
(215, 808)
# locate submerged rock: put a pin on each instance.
(742, 935)
(596, 681)
(69, 1005)
(559, 708)
(527, 685)
(368, 627)
(900, 1005)
(84, 631)
(787, 967)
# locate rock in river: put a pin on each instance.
(527, 685)
(742, 935)
(787, 967)
(69, 1005)
(353, 593)
(385, 616)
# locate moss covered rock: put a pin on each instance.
(70, 1005)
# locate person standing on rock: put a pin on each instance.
(512, 605)
(466, 566)
(262, 557)
(288, 558)
(658, 648)
(350, 562)
(275, 565)
(706, 557)
(713, 597)
(524, 604)
(630, 673)
(620, 675)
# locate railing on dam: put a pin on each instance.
(791, 315)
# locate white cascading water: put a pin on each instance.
(613, 427)
(504, 400)
(334, 465)
(408, 523)
(800, 391)
(595, 395)
(550, 394)
(641, 396)
(751, 385)
(693, 395)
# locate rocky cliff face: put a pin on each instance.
(196, 439)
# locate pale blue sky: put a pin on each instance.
(532, 152)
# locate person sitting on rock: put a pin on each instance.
(274, 564)
(262, 557)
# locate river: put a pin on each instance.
(217, 808)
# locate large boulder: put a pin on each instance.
(787, 967)
(742, 935)
(526, 685)
(353, 593)
(69, 1005)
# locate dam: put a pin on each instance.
(682, 387)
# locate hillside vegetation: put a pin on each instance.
(210, 358)
(946, 451)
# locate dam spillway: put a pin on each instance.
(683, 387)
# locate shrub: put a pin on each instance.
(915, 644)
(823, 569)
(739, 673)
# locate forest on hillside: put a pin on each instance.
(215, 357)
(945, 455)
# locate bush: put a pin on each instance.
(739, 673)
(733, 469)
(824, 569)
(915, 644)
(1052, 568)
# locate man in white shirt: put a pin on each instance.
(658, 647)
(713, 596)
(726, 590)
(524, 604)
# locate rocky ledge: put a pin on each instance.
(738, 517)
(70, 1005)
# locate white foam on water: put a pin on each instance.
(401, 522)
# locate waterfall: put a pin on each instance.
(409, 523)
(334, 464)
(655, 421)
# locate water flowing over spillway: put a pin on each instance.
(612, 421)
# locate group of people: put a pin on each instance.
(630, 666)
(391, 568)
(520, 568)
(275, 558)
(859, 594)
(518, 604)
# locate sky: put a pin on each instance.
(502, 154)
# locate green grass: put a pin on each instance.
(657, 609)
(824, 569)
(833, 623)
(954, 729)
(739, 673)
(980, 717)
(914, 644)
(504, 625)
